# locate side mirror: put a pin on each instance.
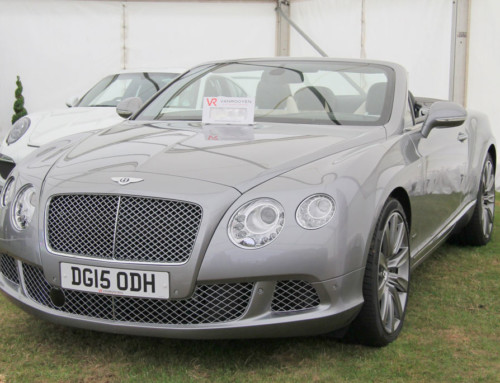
(128, 107)
(72, 101)
(443, 114)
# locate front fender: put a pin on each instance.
(360, 180)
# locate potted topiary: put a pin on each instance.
(19, 108)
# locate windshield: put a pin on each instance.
(302, 92)
(112, 89)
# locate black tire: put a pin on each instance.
(386, 282)
(478, 230)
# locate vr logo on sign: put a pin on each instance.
(212, 101)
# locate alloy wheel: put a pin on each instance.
(488, 197)
(393, 272)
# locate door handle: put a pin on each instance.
(462, 136)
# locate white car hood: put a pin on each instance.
(58, 123)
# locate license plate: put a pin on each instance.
(105, 280)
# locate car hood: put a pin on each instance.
(239, 157)
(54, 124)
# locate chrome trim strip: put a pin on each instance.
(113, 261)
(113, 251)
(21, 277)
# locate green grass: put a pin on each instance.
(451, 334)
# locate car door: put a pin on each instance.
(443, 162)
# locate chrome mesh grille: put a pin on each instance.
(82, 224)
(294, 296)
(8, 268)
(122, 227)
(161, 229)
(209, 303)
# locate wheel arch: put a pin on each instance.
(398, 193)
(493, 152)
(368, 326)
(402, 196)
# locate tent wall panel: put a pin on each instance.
(484, 61)
(58, 48)
(187, 33)
(335, 25)
(415, 34)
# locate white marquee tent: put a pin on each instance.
(62, 47)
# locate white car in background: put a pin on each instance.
(95, 110)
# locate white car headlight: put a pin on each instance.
(18, 129)
(7, 192)
(24, 207)
(315, 211)
(256, 224)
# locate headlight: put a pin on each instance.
(18, 129)
(7, 192)
(24, 207)
(256, 224)
(315, 211)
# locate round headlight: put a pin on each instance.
(256, 224)
(18, 129)
(315, 211)
(24, 208)
(7, 192)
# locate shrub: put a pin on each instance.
(19, 108)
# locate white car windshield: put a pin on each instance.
(112, 89)
(303, 92)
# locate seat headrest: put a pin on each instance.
(375, 98)
(273, 88)
(315, 98)
(283, 75)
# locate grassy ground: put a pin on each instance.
(451, 334)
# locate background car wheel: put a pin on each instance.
(478, 230)
(386, 281)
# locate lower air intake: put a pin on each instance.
(209, 303)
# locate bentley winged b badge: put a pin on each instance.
(126, 180)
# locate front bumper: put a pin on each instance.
(240, 309)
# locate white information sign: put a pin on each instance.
(228, 110)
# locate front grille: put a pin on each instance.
(123, 227)
(294, 296)
(209, 303)
(8, 268)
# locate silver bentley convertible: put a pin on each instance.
(249, 198)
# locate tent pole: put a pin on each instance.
(459, 51)
(124, 35)
(282, 29)
(280, 12)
